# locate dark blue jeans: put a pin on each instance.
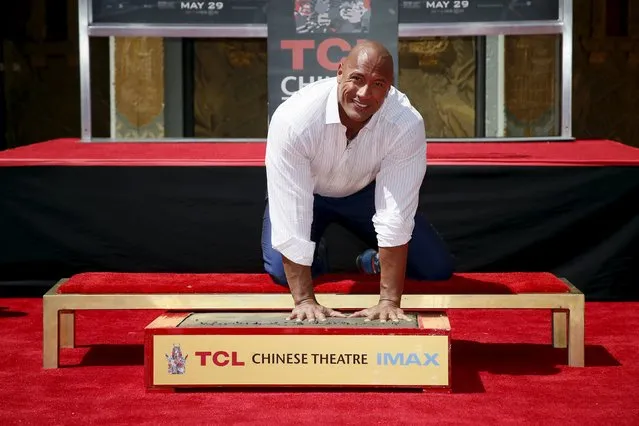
(428, 256)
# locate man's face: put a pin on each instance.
(363, 85)
(352, 11)
(305, 9)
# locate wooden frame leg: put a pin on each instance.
(559, 329)
(50, 336)
(67, 329)
(576, 341)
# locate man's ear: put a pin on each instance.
(340, 70)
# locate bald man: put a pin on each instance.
(350, 150)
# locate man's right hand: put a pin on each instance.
(311, 310)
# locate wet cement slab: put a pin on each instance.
(278, 319)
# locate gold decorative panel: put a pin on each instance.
(531, 86)
(231, 88)
(139, 87)
(438, 75)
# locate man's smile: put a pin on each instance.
(360, 105)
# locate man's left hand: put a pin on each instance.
(384, 310)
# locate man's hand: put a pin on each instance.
(311, 311)
(391, 286)
(385, 310)
(301, 287)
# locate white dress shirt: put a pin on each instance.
(307, 154)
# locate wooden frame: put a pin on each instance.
(567, 310)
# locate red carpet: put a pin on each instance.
(475, 283)
(504, 372)
(71, 152)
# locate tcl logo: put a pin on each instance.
(219, 358)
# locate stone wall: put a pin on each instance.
(606, 76)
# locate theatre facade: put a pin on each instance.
(476, 70)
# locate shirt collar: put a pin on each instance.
(332, 111)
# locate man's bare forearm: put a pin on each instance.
(300, 281)
(393, 264)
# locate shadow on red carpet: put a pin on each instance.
(469, 358)
(5, 313)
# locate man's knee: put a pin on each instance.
(279, 279)
(276, 273)
(441, 269)
(428, 256)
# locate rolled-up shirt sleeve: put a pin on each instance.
(290, 192)
(397, 186)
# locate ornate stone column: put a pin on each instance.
(137, 80)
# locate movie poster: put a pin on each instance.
(308, 38)
(255, 11)
(460, 11)
(179, 12)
